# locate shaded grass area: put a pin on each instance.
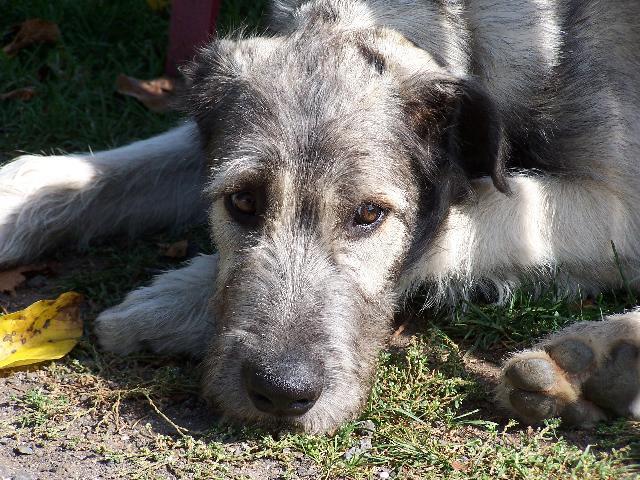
(76, 107)
(428, 415)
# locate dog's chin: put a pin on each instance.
(305, 424)
(324, 418)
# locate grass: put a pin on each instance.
(428, 416)
(525, 318)
(76, 106)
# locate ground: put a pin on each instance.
(92, 415)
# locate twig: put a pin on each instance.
(178, 428)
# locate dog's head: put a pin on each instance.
(335, 151)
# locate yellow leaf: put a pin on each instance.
(46, 330)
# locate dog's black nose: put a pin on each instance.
(284, 388)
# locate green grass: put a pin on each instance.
(432, 417)
(76, 106)
(524, 318)
(40, 408)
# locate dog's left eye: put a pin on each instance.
(368, 215)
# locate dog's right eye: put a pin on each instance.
(244, 202)
(243, 207)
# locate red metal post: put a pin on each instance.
(192, 23)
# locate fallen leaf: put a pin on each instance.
(23, 450)
(157, 94)
(174, 250)
(34, 30)
(400, 330)
(12, 279)
(26, 93)
(46, 330)
(459, 466)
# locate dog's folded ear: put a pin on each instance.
(217, 78)
(464, 123)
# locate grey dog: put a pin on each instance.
(359, 151)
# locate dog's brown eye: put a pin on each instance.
(244, 202)
(368, 214)
(246, 207)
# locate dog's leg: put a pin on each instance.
(150, 184)
(171, 316)
(585, 373)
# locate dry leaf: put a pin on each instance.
(46, 330)
(400, 330)
(34, 30)
(12, 279)
(174, 250)
(459, 466)
(157, 95)
(26, 93)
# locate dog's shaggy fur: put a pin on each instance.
(364, 149)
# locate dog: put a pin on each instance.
(357, 152)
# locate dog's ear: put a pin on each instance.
(218, 79)
(462, 119)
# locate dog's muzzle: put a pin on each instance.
(286, 387)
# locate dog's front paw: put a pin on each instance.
(584, 375)
(141, 322)
(170, 316)
(117, 330)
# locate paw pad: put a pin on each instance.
(575, 380)
(531, 374)
(616, 384)
(571, 355)
(532, 405)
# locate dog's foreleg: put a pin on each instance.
(150, 184)
(171, 316)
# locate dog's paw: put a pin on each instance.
(143, 321)
(156, 320)
(585, 374)
(170, 316)
(118, 331)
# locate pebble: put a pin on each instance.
(366, 428)
(365, 444)
(352, 452)
(306, 472)
(23, 476)
(23, 450)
